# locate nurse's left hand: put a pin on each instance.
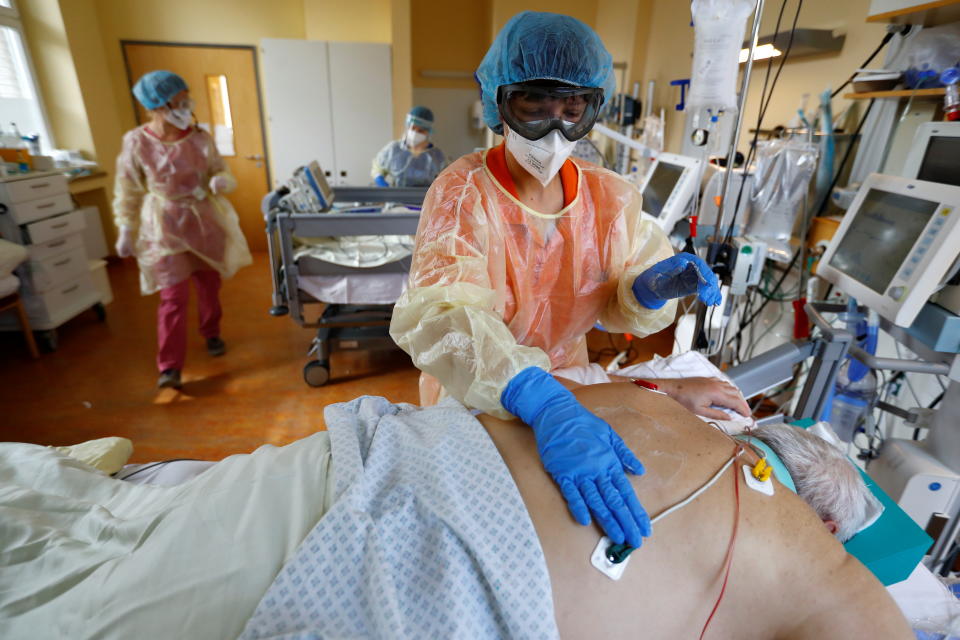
(676, 277)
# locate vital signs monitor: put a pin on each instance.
(898, 241)
(935, 154)
(668, 187)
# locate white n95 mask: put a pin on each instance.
(415, 137)
(180, 118)
(541, 158)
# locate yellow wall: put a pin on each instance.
(503, 10)
(616, 24)
(448, 36)
(401, 50)
(353, 21)
(670, 47)
(94, 29)
(188, 21)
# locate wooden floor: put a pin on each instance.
(102, 379)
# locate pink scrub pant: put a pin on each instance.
(172, 317)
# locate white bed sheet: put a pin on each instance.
(83, 555)
(355, 288)
(926, 603)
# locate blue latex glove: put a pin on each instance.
(380, 181)
(585, 457)
(676, 277)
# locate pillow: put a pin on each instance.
(104, 454)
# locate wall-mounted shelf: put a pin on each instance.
(898, 93)
(928, 14)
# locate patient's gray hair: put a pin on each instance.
(824, 477)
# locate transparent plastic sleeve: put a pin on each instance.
(781, 179)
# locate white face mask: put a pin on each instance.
(541, 158)
(180, 118)
(414, 137)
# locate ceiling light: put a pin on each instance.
(762, 52)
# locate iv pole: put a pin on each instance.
(713, 248)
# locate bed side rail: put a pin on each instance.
(311, 225)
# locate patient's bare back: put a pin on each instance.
(789, 578)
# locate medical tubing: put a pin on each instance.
(846, 156)
(767, 299)
(693, 496)
(153, 466)
(869, 59)
(728, 561)
(796, 256)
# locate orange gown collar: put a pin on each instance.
(497, 163)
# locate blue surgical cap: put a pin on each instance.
(155, 89)
(422, 117)
(543, 46)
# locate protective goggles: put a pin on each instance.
(533, 111)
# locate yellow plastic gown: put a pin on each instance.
(496, 287)
(162, 192)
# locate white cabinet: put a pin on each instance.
(327, 101)
(56, 280)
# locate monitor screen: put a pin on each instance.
(941, 162)
(884, 229)
(665, 177)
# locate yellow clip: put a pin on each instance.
(762, 470)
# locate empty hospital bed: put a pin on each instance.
(359, 299)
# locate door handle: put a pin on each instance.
(257, 157)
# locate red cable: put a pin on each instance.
(733, 542)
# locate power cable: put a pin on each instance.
(886, 38)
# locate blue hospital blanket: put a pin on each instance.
(428, 537)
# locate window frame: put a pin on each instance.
(10, 17)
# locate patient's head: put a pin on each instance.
(824, 477)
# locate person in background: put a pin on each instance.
(521, 250)
(172, 216)
(412, 161)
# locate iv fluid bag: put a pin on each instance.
(718, 28)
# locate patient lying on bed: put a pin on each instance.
(789, 578)
(459, 558)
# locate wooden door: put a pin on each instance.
(223, 84)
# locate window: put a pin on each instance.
(20, 106)
(220, 114)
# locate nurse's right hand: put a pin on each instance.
(585, 457)
(125, 242)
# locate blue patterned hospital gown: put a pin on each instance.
(428, 537)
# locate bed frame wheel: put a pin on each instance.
(316, 373)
